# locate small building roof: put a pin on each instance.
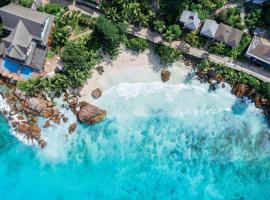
(259, 49)
(25, 13)
(29, 29)
(255, 1)
(229, 35)
(190, 20)
(209, 28)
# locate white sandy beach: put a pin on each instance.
(131, 68)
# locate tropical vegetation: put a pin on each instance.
(167, 54)
(136, 44)
(78, 65)
(233, 76)
(195, 40)
(231, 17)
(173, 32)
(51, 8)
(109, 35)
(235, 52)
(26, 3)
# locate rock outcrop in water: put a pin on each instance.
(240, 90)
(72, 128)
(31, 107)
(90, 114)
(165, 75)
(38, 106)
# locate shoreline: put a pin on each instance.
(130, 67)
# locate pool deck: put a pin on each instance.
(18, 76)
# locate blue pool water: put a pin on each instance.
(158, 142)
(13, 67)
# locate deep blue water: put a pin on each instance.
(158, 142)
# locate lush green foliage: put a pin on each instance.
(26, 3)
(195, 40)
(232, 18)
(137, 44)
(129, 12)
(78, 63)
(170, 10)
(109, 35)
(173, 32)
(167, 54)
(159, 26)
(253, 17)
(231, 75)
(86, 21)
(265, 89)
(51, 8)
(235, 52)
(241, 48)
(217, 48)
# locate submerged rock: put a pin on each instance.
(96, 93)
(90, 114)
(72, 128)
(42, 143)
(165, 75)
(31, 131)
(47, 124)
(65, 119)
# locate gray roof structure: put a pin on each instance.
(29, 29)
(229, 35)
(209, 28)
(190, 20)
(259, 49)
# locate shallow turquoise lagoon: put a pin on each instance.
(158, 142)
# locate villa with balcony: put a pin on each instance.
(23, 51)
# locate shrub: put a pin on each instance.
(137, 44)
(232, 18)
(265, 89)
(159, 26)
(172, 33)
(167, 54)
(238, 51)
(252, 18)
(26, 3)
(51, 8)
(217, 48)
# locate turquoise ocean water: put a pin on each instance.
(158, 142)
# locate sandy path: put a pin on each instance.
(131, 68)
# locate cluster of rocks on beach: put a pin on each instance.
(23, 111)
(240, 90)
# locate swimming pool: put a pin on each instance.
(13, 67)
